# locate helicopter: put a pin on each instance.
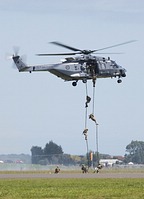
(85, 66)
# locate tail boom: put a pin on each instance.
(19, 63)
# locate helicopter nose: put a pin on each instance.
(123, 72)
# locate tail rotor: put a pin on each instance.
(16, 50)
(19, 61)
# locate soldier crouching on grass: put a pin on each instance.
(98, 168)
(84, 169)
(57, 169)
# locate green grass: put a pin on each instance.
(72, 188)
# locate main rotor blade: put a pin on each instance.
(108, 53)
(65, 46)
(115, 45)
(57, 54)
(79, 51)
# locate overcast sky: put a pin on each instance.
(39, 107)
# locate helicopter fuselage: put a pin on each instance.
(79, 68)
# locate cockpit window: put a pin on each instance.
(114, 64)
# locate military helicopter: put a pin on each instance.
(84, 67)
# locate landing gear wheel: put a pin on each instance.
(74, 83)
(119, 81)
(84, 80)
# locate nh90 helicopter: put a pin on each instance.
(84, 67)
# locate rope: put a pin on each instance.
(97, 145)
(87, 152)
(96, 128)
(85, 132)
(93, 100)
(91, 116)
(86, 106)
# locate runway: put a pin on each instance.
(71, 175)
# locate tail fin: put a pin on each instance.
(19, 63)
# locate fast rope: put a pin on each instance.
(97, 146)
(85, 132)
(96, 129)
(91, 116)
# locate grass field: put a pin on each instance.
(72, 188)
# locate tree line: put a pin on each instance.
(135, 152)
(53, 154)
